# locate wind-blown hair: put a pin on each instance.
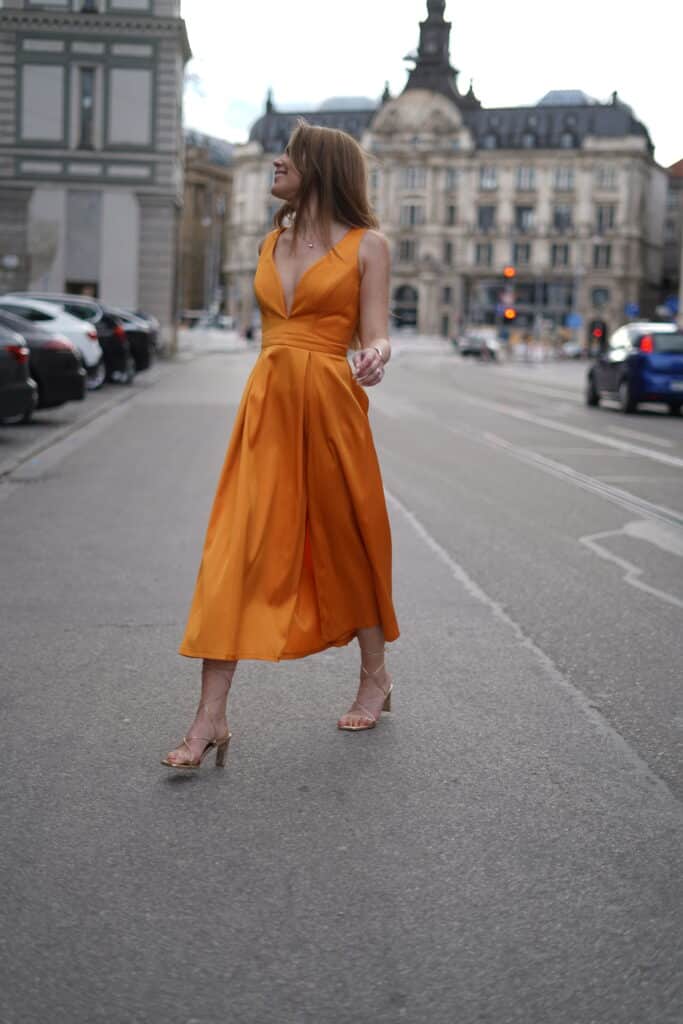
(334, 173)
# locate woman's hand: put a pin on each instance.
(368, 367)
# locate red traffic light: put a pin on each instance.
(509, 272)
(597, 332)
(510, 313)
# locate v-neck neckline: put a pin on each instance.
(288, 312)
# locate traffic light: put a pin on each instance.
(597, 333)
(509, 272)
(509, 313)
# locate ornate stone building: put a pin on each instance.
(566, 192)
(672, 272)
(203, 235)
(91, 148)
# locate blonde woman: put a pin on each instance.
(297, 556)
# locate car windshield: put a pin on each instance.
(669, 342)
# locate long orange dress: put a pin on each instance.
(297, 555)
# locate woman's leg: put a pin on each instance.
(375, 681)
(210, 721)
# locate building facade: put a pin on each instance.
(203, 234)
(672, 272)
(566, 193)
(91, 149)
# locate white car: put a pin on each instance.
(80, 333)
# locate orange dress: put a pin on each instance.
(297, 555)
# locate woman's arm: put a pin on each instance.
(373, 328)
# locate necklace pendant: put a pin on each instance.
(310, 244)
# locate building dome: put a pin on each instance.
(417, 111)
(566, 98)
(348, 103)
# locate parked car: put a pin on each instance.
(118, 358)
(480, 345)
(571, 350)
(141, 337)
(18, 392)
(643, 362)
(154, 325)
(58, 321)
(54, 362)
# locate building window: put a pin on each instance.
(521, 254)
(406, 250)
(560, 255)
(451, 215)
(488, 178)
(526, 178)
(452, 178)
(130, 106)
(562, 217)
(86, 108)
(605, 217)
(448, 253)
(560, 295)
(484, 254)
(447, 295)
(600, 297)
(42, 103)
(564, 178)
(489, 141)
(486, 218)
(602, 256)
(414, 177)
(605, 176)
(524, 218)
(567, 140)
(528, 140)
(412, 215)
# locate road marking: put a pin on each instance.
(630, 502)
(541, 389)
(632, 573)
(472, 588)
(567, 428)
(640, 436)
(624, 499)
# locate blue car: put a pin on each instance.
(643, 362)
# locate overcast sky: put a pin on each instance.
(309, 50)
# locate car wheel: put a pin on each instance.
(96, 377)
(129, 374)
(22, 417)
(675, 408)
(592, 393)
(627, 402)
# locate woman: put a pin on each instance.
(297, 556)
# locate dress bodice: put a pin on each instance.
(325, 305)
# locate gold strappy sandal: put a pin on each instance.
(362, 712)
(221, 746)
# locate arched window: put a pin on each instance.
(404, 306)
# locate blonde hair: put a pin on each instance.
(333, 173)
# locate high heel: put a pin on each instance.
(220, 743)
(370, 720)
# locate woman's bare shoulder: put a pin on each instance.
(374, 247)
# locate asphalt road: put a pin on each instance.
(505, 847)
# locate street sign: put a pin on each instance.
(574, 320)
(632, 309)
(672, 304)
